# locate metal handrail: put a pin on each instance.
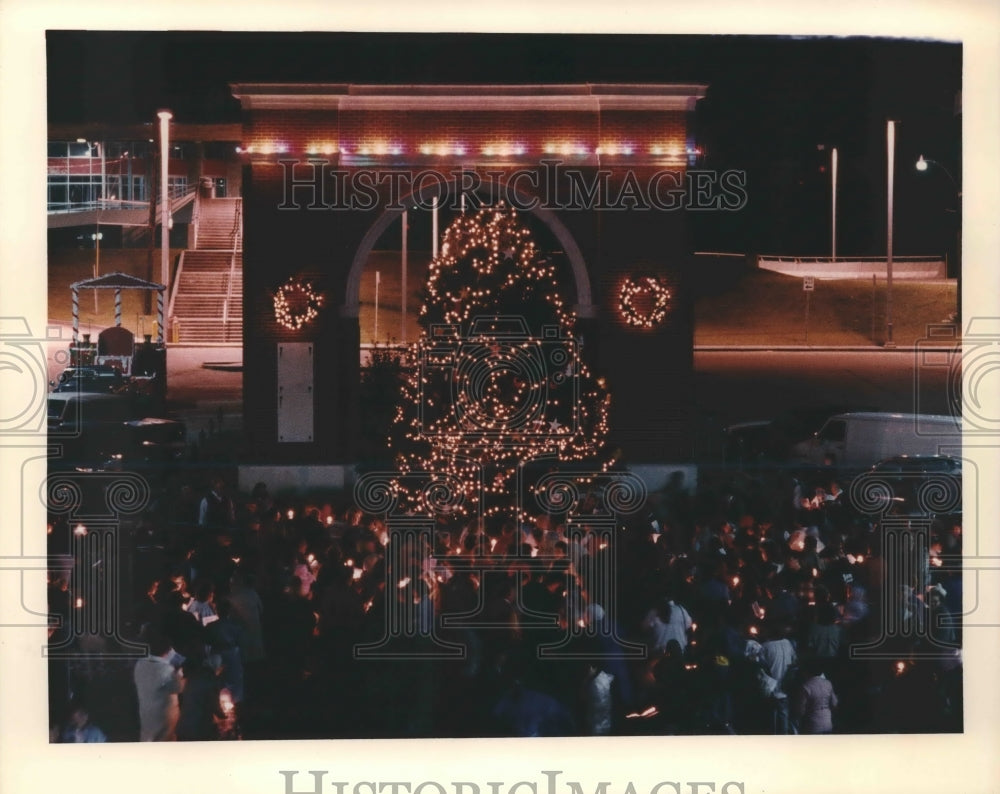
(236, 236)
(173, 288)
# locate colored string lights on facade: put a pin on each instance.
(296, 304)
(643, 302)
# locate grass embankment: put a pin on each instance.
(767, 308)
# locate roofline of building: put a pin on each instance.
(473, 97)
(179, 131)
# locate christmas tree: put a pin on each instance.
(497, 380)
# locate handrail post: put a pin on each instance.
(232, 271)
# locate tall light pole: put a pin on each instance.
(891, 150)
(104, 174)
(403, 264)
(434, 227)
(97, 237)
(922, 165)
(164, 117)
(833, 212)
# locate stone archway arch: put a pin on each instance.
(584, 306)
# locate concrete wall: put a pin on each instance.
(929, 269)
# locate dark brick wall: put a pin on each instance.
(649, 372)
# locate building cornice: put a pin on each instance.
(582, 97)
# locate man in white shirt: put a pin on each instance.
(157, 684)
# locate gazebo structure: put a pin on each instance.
(117, 282)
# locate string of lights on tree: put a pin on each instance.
(296, 303)
(498, 381)
(646, 290)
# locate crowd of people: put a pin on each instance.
(739, 607)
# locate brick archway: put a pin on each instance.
(327, 168)
(584, 301)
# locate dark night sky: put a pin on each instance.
(771, 103)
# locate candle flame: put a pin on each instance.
(226, 702)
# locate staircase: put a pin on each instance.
(207, 303)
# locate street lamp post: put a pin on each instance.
(833, 203)
(164, 117)
(922, 165)
(97, 237)
(891, 150)
(404, 255)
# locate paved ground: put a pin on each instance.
(201, 381)
(731, 385)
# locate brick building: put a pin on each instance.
(605, 173)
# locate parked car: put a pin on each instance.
(770, 441)
(922, 484)
(752, 443)
(94, 379)
(150, 440)
(87, 425)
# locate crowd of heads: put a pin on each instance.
(726, 608)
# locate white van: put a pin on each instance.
(860, 440)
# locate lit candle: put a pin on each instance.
(226, 702)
